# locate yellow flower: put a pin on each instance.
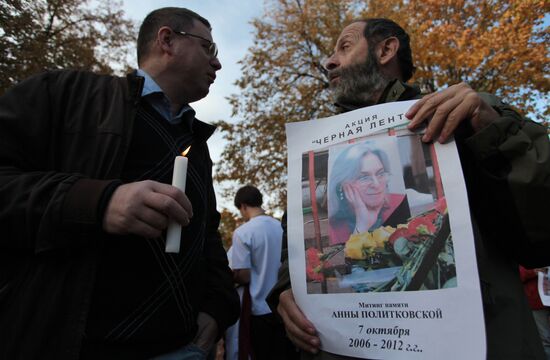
(358, 245)
(354, 247)
(381, 235)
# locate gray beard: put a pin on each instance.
(360, 84)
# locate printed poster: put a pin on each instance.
(381, 249)
(543, 282)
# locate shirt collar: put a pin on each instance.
(149, 85)
(154, 94)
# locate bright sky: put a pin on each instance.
(232, 32)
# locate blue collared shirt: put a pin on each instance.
(154, 95)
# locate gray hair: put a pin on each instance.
(346, 167)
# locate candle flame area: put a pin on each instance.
(184, 153)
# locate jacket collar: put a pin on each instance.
(201, 130)
(135, 87)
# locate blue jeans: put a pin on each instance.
(188, 352)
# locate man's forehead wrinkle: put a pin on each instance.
(347, 35)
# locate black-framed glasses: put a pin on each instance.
(212, 47)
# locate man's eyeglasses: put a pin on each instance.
(212, 47)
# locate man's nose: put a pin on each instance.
(331, 63)
(215, 63)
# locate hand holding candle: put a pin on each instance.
(179, 177)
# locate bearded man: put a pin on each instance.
(506, 164)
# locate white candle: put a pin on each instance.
(179, 176)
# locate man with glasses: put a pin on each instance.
(210, 46)
(506, 165)
(86, 163)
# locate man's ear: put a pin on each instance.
(164, 39)
(386, 50)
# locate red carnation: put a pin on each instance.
(313, 265)
(401, 232)
(423, 225)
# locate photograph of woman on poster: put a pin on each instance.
(375, 218)
(360, 196)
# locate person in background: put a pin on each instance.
(256, 260)
(237, 336)
(541, 313)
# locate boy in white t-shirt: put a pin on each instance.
(256, 257)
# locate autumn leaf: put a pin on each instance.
(496, 46)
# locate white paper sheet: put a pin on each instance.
(544, 287)
(373, 293)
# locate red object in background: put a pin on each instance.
(421, 225)
(402, 232)
(314, 265)
(530, 285)
(245, 344)
(426, 220)
(441, 205)
(313, 195)
(437, 174)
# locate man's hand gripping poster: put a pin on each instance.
(381, 249)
